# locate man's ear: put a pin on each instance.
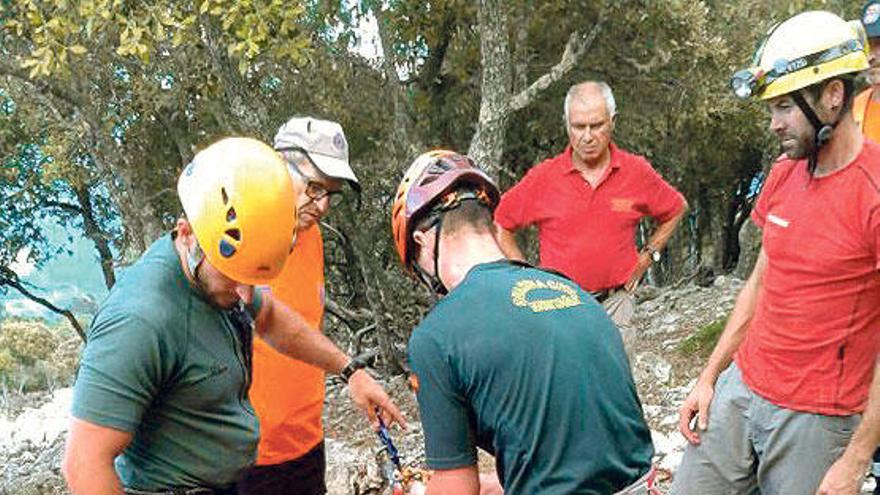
(833, 94)
(420, 238)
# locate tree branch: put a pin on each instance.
(577, 46)
(10, 278)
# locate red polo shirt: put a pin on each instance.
(815, 335)
(589, 234)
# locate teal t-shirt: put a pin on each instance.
(525, 365)
(164, 365)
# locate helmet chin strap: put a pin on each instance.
(433, 281)
(822, 130)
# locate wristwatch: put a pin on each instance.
(353, 365)
(655, 255)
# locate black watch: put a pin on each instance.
(350, 368)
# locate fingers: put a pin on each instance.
(703, 414)
(371, 416)
(685, 418)
(391, 413)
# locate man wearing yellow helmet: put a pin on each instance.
(789, 402)
(161, 398)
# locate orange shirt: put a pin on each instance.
(867, 113)
(287, 394)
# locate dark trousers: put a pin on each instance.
(302, 476)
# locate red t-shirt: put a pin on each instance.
(589, 234)
(815, 334)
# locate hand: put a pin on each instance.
(696, 404)
(368, 395)
(641, 267)
(843, 478)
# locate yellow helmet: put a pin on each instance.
(240, 201)
(805, 49)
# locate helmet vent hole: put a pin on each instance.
(226, 249)
(230, 215)
(427, 180)
(234, 233)
(225, 196)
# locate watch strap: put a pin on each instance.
(353, 365)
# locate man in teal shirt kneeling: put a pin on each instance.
(515, 360)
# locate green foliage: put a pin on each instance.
(63, 30)
(34, 356)
(110, 98)
(701, 342)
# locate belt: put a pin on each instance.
(601, 295)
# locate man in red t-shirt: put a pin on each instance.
(587, 203)
(798, 409)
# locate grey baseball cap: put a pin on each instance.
(323, 141)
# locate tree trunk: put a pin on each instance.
(487, 144)
(749, 248)
(96, 235)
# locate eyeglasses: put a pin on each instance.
(317, 192)
(314, 189)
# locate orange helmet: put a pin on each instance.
(433, 183)
(240, 201)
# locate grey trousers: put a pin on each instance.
(753, 446)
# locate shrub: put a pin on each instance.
(703, 340)
(34, 356)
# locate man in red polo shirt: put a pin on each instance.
(798, 409)
(587, 203)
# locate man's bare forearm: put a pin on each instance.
(507, 242)
(665, 230)
(867, 436)
(287, 332)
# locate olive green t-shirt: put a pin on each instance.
(527, 366)
(164, 365)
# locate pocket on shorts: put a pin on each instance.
(841, 426)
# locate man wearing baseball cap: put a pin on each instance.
(288, 395)
(866, 106)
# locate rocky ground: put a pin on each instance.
(32, 428)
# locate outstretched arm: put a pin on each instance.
(288, 333)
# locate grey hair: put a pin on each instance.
(604, 88)
(295, 157)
